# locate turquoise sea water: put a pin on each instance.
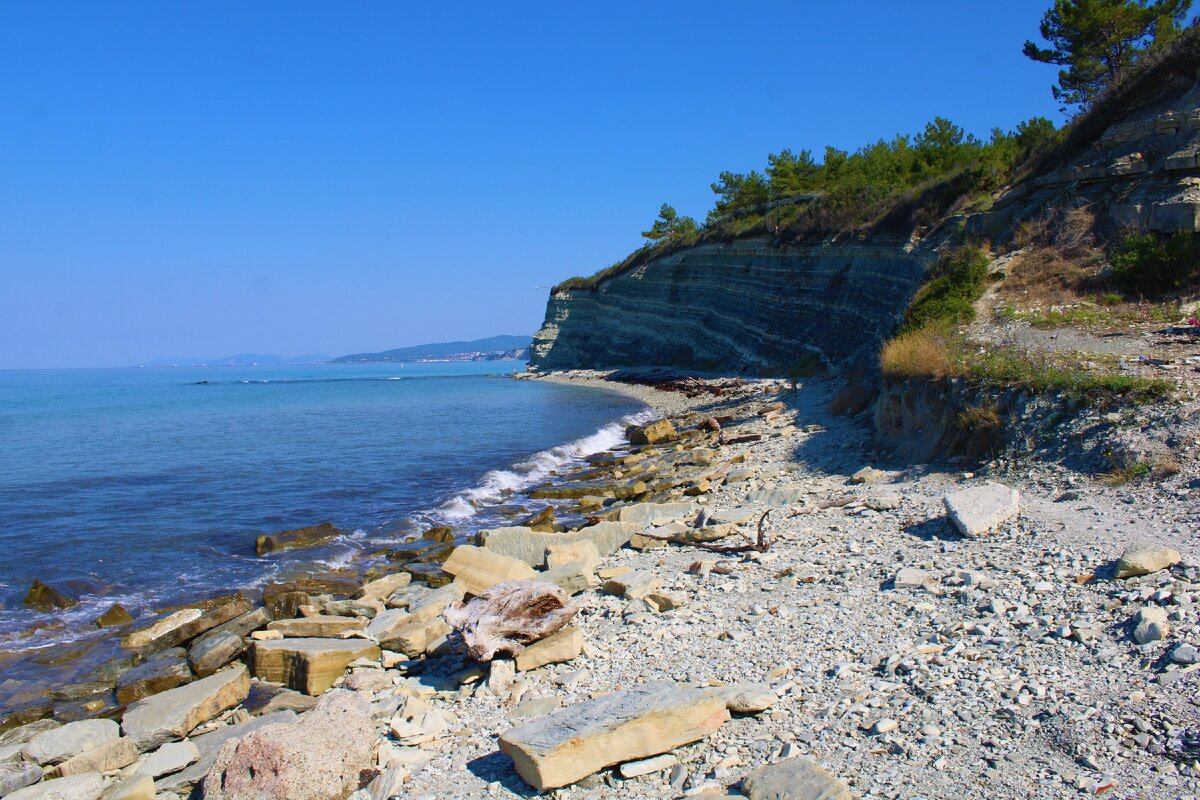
(148, 486)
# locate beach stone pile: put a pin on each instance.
(693, 614)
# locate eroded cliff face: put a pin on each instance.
(746, 305)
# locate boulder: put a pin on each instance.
(186, 624)
(165, 671)
(565, 746)
(62, 743)
(173, 714)
(775, 496)
(312, 536)
(112, 755)
(530, 546)
(478, 569)
(978, 510)
(868, 475)
(416, 638)
(1150, 625)
(509, 616)
(208, 655)
(652, 433)
(41, 597)
(283, 599)
(632, 585)
(561, 554)
(319, 627)
(308, 665)
(912, 578)
(573, 578)
(115, 617)
(319, 757)
(17, 775)
(171, 757)
(794, 779)
(1144, 558)
(139, 787)
(88, 786)
(383, 588)
(210, 744)
(746, 698)
(649, 514)
(562, 646)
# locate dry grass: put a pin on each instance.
(980, 419)
(923, 353)
(1060, 261)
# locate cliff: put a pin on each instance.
(745, 304)
(758, 303)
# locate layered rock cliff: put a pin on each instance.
(745, 304)
(754, 304)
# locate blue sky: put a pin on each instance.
(205, 178)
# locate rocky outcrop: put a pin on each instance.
(745, 304)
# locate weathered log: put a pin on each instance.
(508, 616)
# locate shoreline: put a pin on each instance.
(877, 641)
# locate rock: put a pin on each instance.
(174, 713)
(283, 599)
(775, 496)
(139, 787)
(573, 578)
(171, 757)
(41, 597)
(389, 783)
(910, 578)
(530, 546)
(501, 673)
(558, 555)
(883, 501)
(319, 627)
(385, 627)
(385, 587)
(632, 585)
(22, 734)
(207, 656)
(239, 626)
(308, 665)
(535, 707)
(186, 624)
(18, 775)
(60, 744)
(312, 536)
(628, 725)
(977, 510)
(647, 766)
(1144, 558)
(267, 698)
(885, 725)
(794, 779)
(746, 698)
(1150, 625)
(478, 569)
(88, 786)
(165, 671)
(564, 645)
(439, 533)
(319, 757)
(544, 520)
(507, 617)
(210, 744)
(652, 433)
(1185, 654)
(416, 638)
(650, 514)
(868, 475)
(368, 680)
(112, 755)
(115, 617)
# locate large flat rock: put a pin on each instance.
(319, 627)
(478, 569)
(210, 744)
(68, 741)
(563, 747)
(88, 786)
(308, 665)
(173, 714)
(647, 514)
(794, 779)
(979, 510)
(525, 544)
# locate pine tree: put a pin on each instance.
(1097, 41)
(670, 225)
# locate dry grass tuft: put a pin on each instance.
(923, 353)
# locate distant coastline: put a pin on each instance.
(493, 348)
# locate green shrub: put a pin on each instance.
(959, 279)
(1151, 265)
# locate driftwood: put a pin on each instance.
(761, 544)
(508, 616)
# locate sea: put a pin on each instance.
(147, 487)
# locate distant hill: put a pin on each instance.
(494, 348)
(240, 360)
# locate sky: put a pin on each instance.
(208, 178)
